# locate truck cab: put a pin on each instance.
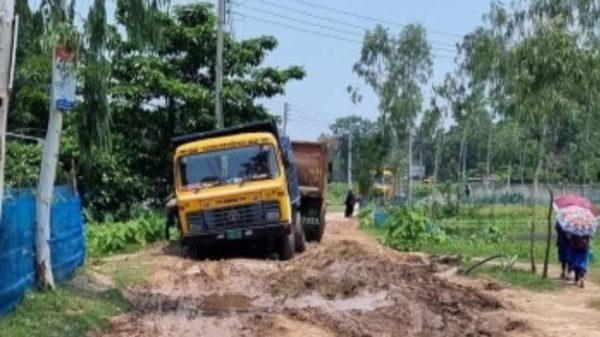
(238, 184)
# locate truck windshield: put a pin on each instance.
(229, 166)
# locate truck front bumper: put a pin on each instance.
(261, 232)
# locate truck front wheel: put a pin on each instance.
(287, 245)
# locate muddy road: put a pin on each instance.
(348, 285)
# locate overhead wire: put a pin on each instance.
(310, 123)
(369, 18)
(317, 33)
(332, 20)
(343, 31)
(309, 31)
(443, 48)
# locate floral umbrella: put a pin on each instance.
(574, 200)
(577, 220)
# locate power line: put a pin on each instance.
(307, 128)
(369, 18)
(309, 109)
(332, 20)
(303, 117)
(317, 33)
(319, 17)
(312, 116)
(317, 25)
(310, 122)
(343, 31)
(309, 31)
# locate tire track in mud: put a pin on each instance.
(348, 285)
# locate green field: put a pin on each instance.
(479, 232)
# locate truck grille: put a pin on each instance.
(238, 216)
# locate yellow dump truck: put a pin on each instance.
(238, 184)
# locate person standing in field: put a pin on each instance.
(578, 257)
(564, 248)
(468, 191)
(350, 201)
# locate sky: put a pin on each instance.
(317, 35)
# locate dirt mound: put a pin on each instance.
(348, 285)
(418, 302)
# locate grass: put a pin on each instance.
(519, 278)
(129, 274)
(64, 312)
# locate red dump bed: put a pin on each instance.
(312, 166)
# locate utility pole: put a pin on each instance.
(350, 161)
(286, 111)
(7, 59)
(62, 99)
(410, 141)
(219, 65)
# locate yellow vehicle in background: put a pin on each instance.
(386, 184)
(238, 184)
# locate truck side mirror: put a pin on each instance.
(329, 168)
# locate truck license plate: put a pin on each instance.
(234, 234)
(311, 221)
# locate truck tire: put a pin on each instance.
(299, 235)
(318, 234)
(286, 246)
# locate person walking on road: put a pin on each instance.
(564, 248)
(350, 201)
(578, 257)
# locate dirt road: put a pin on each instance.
(348, 285)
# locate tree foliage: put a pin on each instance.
(138, 90)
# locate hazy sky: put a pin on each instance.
(321, 97)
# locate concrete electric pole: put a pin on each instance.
(62, 100)
(410, 160)
(286, 111)
(7, 59)
(350, 161)
(219, 65)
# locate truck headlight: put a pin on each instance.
(272, 211)
(272, 215)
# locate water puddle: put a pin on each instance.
(363, 302)
(231, 304)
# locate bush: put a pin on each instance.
(421, 191)
(366, 217)
(409, 228)
(336, 193)
(23, 163)
(114, 237)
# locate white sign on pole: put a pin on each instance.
(63, 80)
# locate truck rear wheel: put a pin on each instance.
(287, 246)
(299, 235)
(318, 234)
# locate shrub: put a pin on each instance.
(366, 217)
(114, 237)
(409, 228)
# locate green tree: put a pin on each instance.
(167, 90)
(396, 68)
